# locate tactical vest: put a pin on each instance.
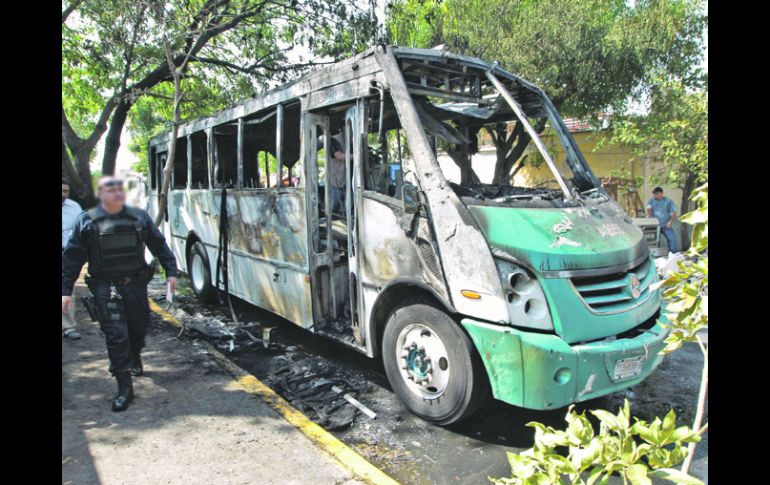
(117, 249)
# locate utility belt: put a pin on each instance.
(115, 309)
(143, 277)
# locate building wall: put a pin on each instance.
(607, 161)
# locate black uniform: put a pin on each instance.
(113, 245)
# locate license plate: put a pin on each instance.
(627, 368)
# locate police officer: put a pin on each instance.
(112, 238)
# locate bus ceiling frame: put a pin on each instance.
(532, 132)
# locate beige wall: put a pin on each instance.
(606, 161)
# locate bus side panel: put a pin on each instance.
(281, 290)
(269, 224)
(389, 256)
(268, 246)
(177, 228)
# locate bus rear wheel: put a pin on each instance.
(432, 364)
(200, 273)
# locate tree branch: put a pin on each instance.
(67, 11)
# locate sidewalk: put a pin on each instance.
(189, 423)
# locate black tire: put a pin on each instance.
(199, 270)
(466, 381)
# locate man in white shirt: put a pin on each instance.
(69, 211)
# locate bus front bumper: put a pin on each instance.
(542, 371)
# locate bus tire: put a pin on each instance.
(200, 273)
(446, 387)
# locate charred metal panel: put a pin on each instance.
(340, 93)
(268, 244)
(387, 252)
(281, 290)
(355, 122)
(390, 252)
(465, 256)
(269, 224)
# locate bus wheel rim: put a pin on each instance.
(423, 361)
(198, 272)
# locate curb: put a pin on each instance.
(345, 455)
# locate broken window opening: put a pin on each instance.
(225, 156)
(488, 156)
(289, 155)
(259, 147)
(384, 158)
(151, 170)
(483, 148)
(179, 178)
(199, 178)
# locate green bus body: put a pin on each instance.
(555, 292)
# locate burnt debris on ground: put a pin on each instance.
(308, 382)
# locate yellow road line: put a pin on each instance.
(325, 440)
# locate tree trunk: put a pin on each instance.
(685, 229)
(80, 192)
(112, 142)
(178, 94)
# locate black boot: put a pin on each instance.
(125, 391)
(136, 364)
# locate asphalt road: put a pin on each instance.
(416, 452)
(190, 423)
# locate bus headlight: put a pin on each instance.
(527, 305)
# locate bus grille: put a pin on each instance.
(611, 293)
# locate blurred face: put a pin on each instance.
(65, 192)
(111, 194)
(658, 195)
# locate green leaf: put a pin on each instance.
(522, 467)
(675, 476)
(669, 424)
(682, 433)
(637, 474)
(608, 419)
(596, 472)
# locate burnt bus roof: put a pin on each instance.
(362, 64)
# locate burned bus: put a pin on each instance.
(536, 292)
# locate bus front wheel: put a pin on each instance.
(200, 273)
(432, 364)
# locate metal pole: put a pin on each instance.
(278, 143)
(532, 133)
(240, 183)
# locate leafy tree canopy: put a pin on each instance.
(587, 57)
(113, 58)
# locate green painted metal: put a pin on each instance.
(574, 321)
(598, 236)
(528, 369)
(417, 364)
(595, 237)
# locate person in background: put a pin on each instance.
(69, 211)
(112, 238)
(663, 209)
(337, 174)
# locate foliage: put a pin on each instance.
(586, 59)
(113, 59)
(594, 58)
(415, 23)
(673, 135)
(636, 451)
(687, 287)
